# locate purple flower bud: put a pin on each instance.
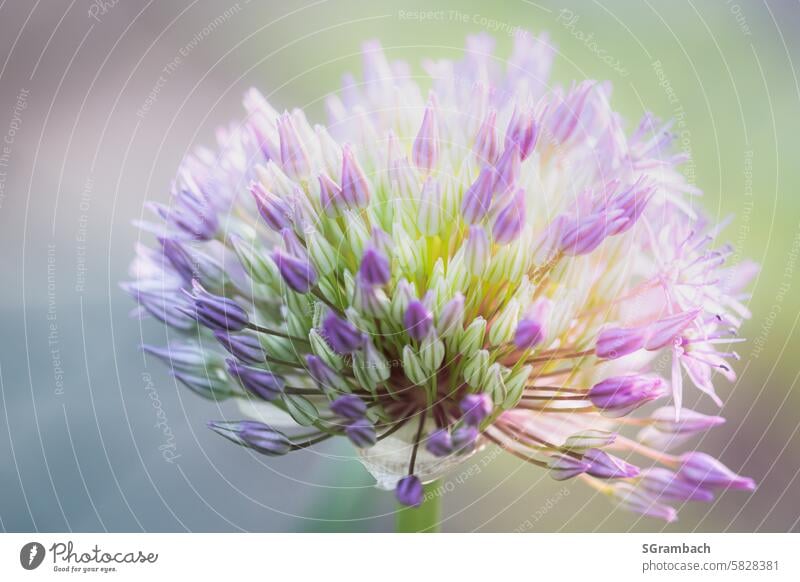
(425, 152)
(341, 335)
(523, 132)
(374, 268)
(529, 333)
(631, 203)
(417, 320)
(258, 382)
(664, 331)
(193, 214)
(566, 114)
(690, 421)
(349, 406)
(439, 443)
(245, 347)
(298, 274)
(451, 317)
(616, 342)
(361, 433)
(321, 373)
(702, 469)
(330, 195)
(409, 491)
(187, 357)
(580, 236)
(507, 170)
(485, 146)
(664, 484)
(475, 407)
(255, 435)
(621, 394)
(294, 157)
(275, 211)
(179, 258)
(638, 500)
(510, 220)
(476, 250)
(606, 466)
(381, 241)
(355, 187)
(293, 246)
(464, 439)
(478, 197)
(563, 467)
(216, 312)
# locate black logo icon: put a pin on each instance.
(31, 555)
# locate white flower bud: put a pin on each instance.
(502, 330)
(431, 352)
(494, 384)
(474, 371)
(451, 317)
(515, 386)
(323, 351)
(429, 215)
(321, 252)
(472, 339)
(412, 366)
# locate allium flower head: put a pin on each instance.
(495, 262)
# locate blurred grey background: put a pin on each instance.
(93, 437)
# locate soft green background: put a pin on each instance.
(83, 163)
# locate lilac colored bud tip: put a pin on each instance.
(255, 435)
(361, 433)
(417, 320)
(529, 334)
(349, 406)
(355, 187)
(478, 198)
(409, 491)
(298, 274)
(702, 469)
(664, 484)
(375, 269)
(475, 407)
(563, 467)
(439, 443)
(663, 332)
(245, 347)
(258, 382)
(343, 336)
(606, 466)
(623, 393)
(510, 220)
(582, 236)
(216, 312)
(275, 211)
(425, 151)
(618, 342)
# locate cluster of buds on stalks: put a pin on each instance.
(497, 262)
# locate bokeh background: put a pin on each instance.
(81, 441)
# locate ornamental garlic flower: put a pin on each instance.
(495, 262)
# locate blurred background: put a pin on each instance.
(96, 114)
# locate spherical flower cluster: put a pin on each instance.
(496, 262)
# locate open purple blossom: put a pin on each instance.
(495, 264)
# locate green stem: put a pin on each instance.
(425, 518)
